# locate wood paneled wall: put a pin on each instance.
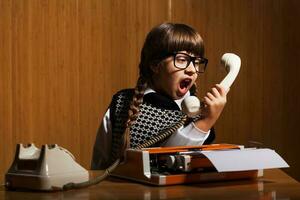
(61, 61)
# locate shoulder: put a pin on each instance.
(119, 107)
(123, 95)
(124, 92)
(121, 99)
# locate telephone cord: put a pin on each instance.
(164, 134)
(94, 181)
(160, 137)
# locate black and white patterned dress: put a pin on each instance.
(157, 113)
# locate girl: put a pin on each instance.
(171, 60)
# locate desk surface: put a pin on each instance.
(274, 185)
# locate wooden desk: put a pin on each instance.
(274, 185)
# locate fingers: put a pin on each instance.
(216, 95)
(208, 101)
(214, 102)
(211, 96)
(223, 91)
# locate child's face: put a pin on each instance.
(172, 81)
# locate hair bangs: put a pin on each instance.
(185, 39)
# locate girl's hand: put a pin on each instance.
(214, 102)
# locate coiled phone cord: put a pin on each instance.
(160, 137)
(164, 134)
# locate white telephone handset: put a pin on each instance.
(232, 63)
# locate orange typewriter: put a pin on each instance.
(193, 164)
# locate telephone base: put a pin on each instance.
(46, 169)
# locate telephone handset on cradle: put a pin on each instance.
(232, 63)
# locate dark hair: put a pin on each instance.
(162, 40)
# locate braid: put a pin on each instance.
(133, 112)
(137, 100)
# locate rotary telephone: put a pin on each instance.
(54, 168)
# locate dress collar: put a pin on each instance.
(177, 101)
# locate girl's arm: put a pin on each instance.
(102, 146)
(188, 135)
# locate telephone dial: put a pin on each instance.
(54, 168)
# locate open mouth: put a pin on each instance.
(184, 86)
(185, 83)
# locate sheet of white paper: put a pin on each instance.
(245, 159)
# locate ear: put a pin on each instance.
(155, 67)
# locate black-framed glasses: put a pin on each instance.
(183, 60)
